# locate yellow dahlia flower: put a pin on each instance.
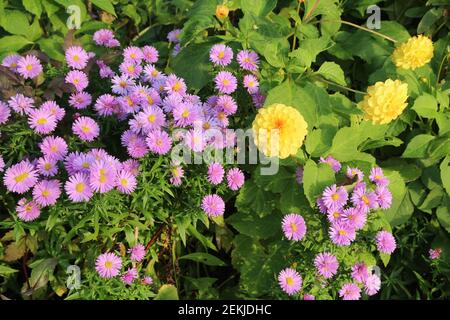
(279, 130)
(384, 101)
(414, 53)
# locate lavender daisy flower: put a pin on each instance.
(334, 197)
(377, 177)
(2, 164)
(355, 218)
(151, 55)
(47, 192)
(248, 60)
(54, 109)
(360, 272)
(10, 61)
(385, 242)
(102, 177)
(105, 105)
(147, 280)
(225, 82)
(384, 197)
(435, 254)
(235, 179)
(108, 265)
(105, 37)
(342, 234)
(20, 178)
(335, 215)
(350, 291)
(221, 55)
(122, 84)
(27, 210)
(294, 227)
(129, 276)
(372, 284)
(133, 54)
(175, 85)
(354, 172)
(29, 67)
(363, 199)
(213, 205)
(77, 57)
(258, 99)
(5, 112)
(308, 297)
(151, 73)
(177, 174)
(215, 173)
(195, 140)
(131, 166)
(86, 128)
(321, 206)
(80, 100)
(137, 253)
(251, 84)
(137, 147)
(21, 104)
(78, 79)
(41, 121)
(290, 281)
(174, 36)
(335, 165)
(326, 264)
(125, 182)
(159, 142)
(227, 104)
(151, 118)
(130, 69)
(78, 188)
(47, 166)
(54, 147)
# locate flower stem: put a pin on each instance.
(369, 30)
(340, 86)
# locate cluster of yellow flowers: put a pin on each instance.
(279, 130)
(414, 53)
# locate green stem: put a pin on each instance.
(441, 67)
(369, 30)
(295, 28)
(340, 86)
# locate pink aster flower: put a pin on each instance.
(384, 197)
(82, 162)
(177, 174)
(363, 199)
(385, 242)
(78, 79)
(213, 205)
(47, 166)
(78, 188)
(335, 165)
(342, 234)
(47, 192)
(133, 54)
(21, 104)
(248, 60)
(151, 55)
(137, 252)
(10, 61)
(130, 69)
(235, 179)
(147, 280)
(129, 276)
(159, 141)
(122, 84)
(151, 118)
(41, 121)
(2, 163)
(137, 147)
(377, 177)
(105, 37)
(5, 112)
(151, 73)
(108, 265)
(309, 297)
(225, 82)
(131, 166)
(351, 173)
(435, 254)
(29, 67)
(80, 100)
(86, 128)
(174, 36)
(175, 85)
(102, 176)
(195, 140)
(360, 272)
(27, 210)
(251, 84)
(125, 182)
(290, 281)
(215, 173)
(20, 177)
(372, 284)
(227, 104)
(334, 197)
(326, 264)
(350, 291)
(335, 215)
(77, 57)
(184, 114)
(54, 109)
(354, 217)
(322, 207)
(294, 227)
(221, 55)
(105, 105)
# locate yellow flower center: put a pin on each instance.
(47, 166)
(131, 68)
(185, 114)
(221, 54)
(176, 87)
(108, 264)
(80, 187)
(21, 177)
(76, 58)
(102, 177)
(45, 193)
(29, 67)
(289, 281)
(124, 182)
(365, 199)
(85, 129)
(342, 232)
(294, 227)
(42, 121)
(335, 197)
(151, 118)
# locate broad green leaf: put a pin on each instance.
(33, 6)
(167, 292)
(258, 7)
(13, 43)
(53, 47)
(319, 141)
(333, 72)
(401, 208)
(445, 173)
(308, 50)
(443, 214)
(417, 147)
(426, 106)
(205, 258)
(254, 226)
(15, 22)
(105, 5)
(315, 179)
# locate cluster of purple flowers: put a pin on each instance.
(347, 214)
(109, 265)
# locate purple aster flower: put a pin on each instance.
(175, 85)
(227, 104)
(435, 254)
(78, 79)
(151, 55)
(258, 99)
(78, 188)
(137, 147)
(54, 109)
(294, 227)
(27, 210)
(342, 234)
(335, 165)
(248, 60)
(47, 192)
(5, 112)
(251, 84)
(108, 265)
(177, 174)
(377, 177)
(41, 121)
(151, 73)
(131, 166)
(77, 57)
(29, 67)
(21, 104)
(10, 61)
(334, 197)
(290, 281)
(215, 173)
(147, 280)
(122, 84)
(54, 147)
(363, 199)
(321, 206)
(355, 218)
(335, 215)
(137, 253)
(20, 177)
(372, 284)
(133, 54)
(151, 118)
(360, 272)
(102, 176)
(384, 197)
(2, 163)
(105, 37)
(86, 128)
(159, 141)
(385, 242)
(350, 291)
(326, 264)
(174, 36)
(354, 172)
(105, 105)
(308, 297)
(195, 140)
(130, 69)
(80, 100)
(235, 179)
(221, 55)
(213, 205)
(47, 166)
(129, 276)
(225, 82)
(125, 181)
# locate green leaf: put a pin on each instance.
(13, 43)
(53, 47)
(5, 270)
(33, 6)
(315, 179)
(319, 141)
(385, 258)
(167, 292)
(105, 5)
(428, 20)
(254, 226)
(445, 173)
(15, 22)
(401, 208)
(426, 106)
(417, 147)
(205, 258)
(333, 72)
(306, 54)
(443, 214)
(432, 200)
(258, 7)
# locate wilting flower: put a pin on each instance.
(221, 54)
(130, 275)
(350, 291)
(279, 130)
(47, 192)
(215, 173)
(78, 188)
(290, 281)
(248, 60)
(225, 82)
(385, 242)
(326, 264)
(20, 177)
(86, 128)
(414, 53)
(235, 179)
(77, 57)
(308, 296)
(294, 227)
(384, 101)
(27, 210)
(108, 265)
(137, 252)
(29, 67)
(213, 205)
